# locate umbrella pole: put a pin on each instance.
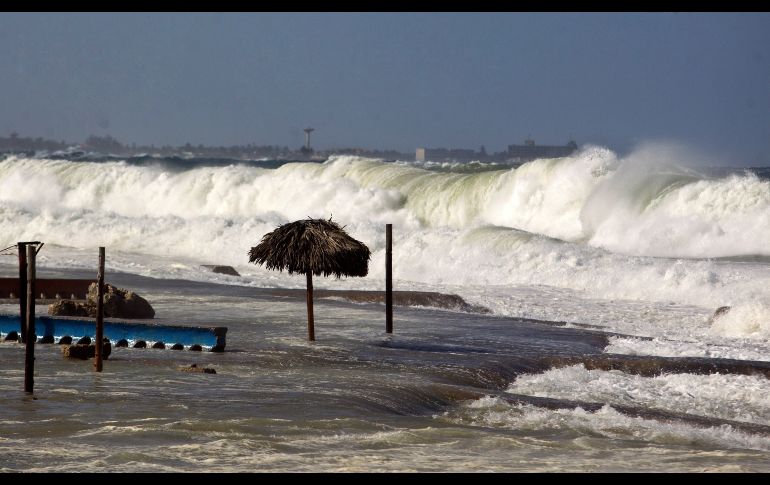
(310, 326)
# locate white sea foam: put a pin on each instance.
(637, 205)
(748, 319)
(588, 230)
(606, 423)
(730, 397)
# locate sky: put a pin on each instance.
(393, 80)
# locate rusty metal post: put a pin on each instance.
(29, 358)
(389, 278)
(23, 291)
(99, 312)
(310, 323)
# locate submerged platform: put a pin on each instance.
(58, 327)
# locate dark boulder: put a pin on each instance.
(177, 347)
(66, 340)
(84, 341)
(84, 352)
(158, 345)
(122, 343)
(721, 311)
(140, 345)
(120, 303)
(45, 339)
(215, 268)
(196, 347)
(12, 337)
(76, 351)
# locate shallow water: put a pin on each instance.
(356, 399)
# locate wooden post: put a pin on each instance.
(310, 325)
(29, 358)
(99, 312)
(23, 291)
(389, 278)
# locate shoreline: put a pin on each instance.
(138, 283)
(444, 301)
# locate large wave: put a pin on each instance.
(636, 205)
(592, 221)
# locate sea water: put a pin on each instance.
(632, 255)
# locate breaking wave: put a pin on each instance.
(637, 227)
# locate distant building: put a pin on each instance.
(515, 153)
(530, 151)
(446, 154)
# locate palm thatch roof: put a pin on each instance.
(316, 245)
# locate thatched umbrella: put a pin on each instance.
(312, 247)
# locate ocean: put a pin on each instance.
(578, 259)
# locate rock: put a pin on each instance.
(69, 308)
(66, 340)
(12, 337)
(177, 347)
(85, 352)
(84, 341)
(46, 339)
(195, 368)
(140, 345)
(76, 351)
(158, 345)
(122, 343)
(215, 268)
(196, 347)
(120, 303)
(721, 311)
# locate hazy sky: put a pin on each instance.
(392, 80)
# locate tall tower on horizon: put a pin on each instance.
(308, 131)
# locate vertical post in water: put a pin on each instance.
(23, 291)
(99, 312)
(29, 359)
(310, 324)
(389, 278)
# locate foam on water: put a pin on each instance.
(615, 241)
(622, 430)
(729, 397)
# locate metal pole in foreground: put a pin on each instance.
(23, 291)
(29, 358)
(389, 278)
(310, 325)
(99, 312)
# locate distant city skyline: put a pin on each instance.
(393, 81)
